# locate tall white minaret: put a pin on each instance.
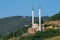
(40, 19)
(32, 17)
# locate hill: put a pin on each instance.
(15, 24)
(55, 17)
(54, 38)
(42, 35)
(45, 18)
(11, 24)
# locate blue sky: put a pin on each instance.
(24, 7)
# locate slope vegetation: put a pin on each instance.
(55, 17)
(11, 24)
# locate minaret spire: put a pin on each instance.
(32, 16)
(40, 18)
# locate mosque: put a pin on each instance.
(35, 27)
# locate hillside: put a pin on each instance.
(11, 24)
(16, 24)
(45, 18)
(55, 17)
(54, 38)
(42, 35)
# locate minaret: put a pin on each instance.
(39, 18)
(32, 17)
